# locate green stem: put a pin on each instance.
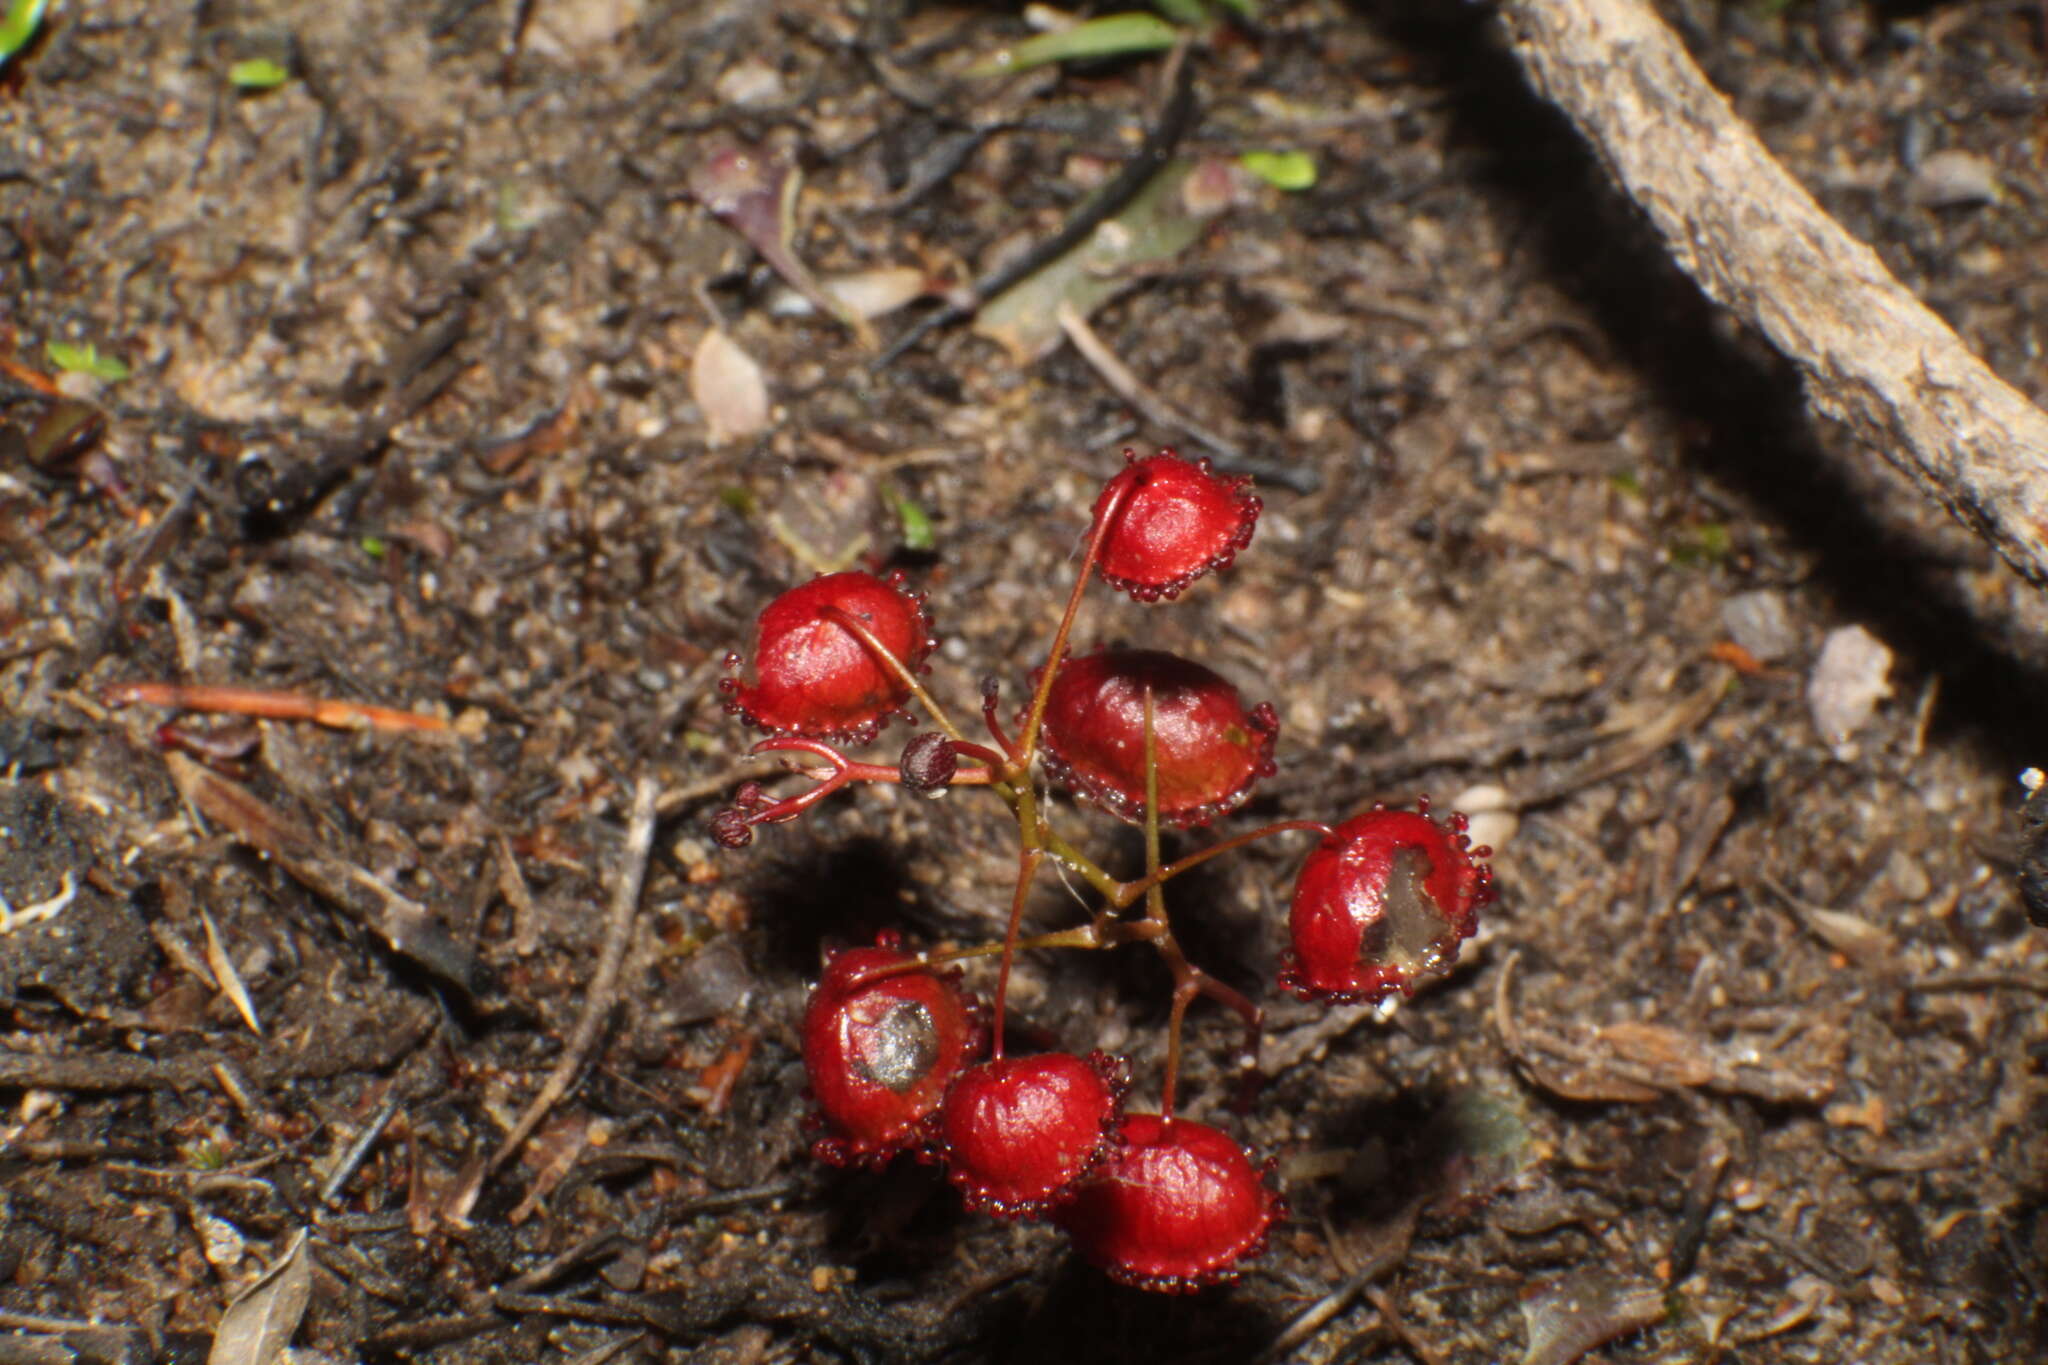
(1127, 892)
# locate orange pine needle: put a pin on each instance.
(256, 701)
(1738, 658)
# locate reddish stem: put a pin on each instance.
(844, 771)
(991, 697)
(1027, 741)
(1027, 867)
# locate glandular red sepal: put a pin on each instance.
(1382, 902)
(1174, 520)
(881, 1051)
(812, 676)
(1017, 1133)
(1211, 748)
(1176, 1207)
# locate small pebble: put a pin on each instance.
(1954, 179)
(1760, 623)
(750, 83)
(1909, 879)
(1492, 817)
(1847, 682)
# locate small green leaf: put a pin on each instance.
(376, 547)
(85, 358)
(917, 526)
(257, 73)
(18, 25)
(740, 499)
(1113, 35)
(1281, 170)
(1706, 544)
(1626, 481)
(1189, 12)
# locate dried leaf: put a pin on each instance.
(1670, 1057)
(259, 1324)
(1569, 1317)
(755, 194)
(729, 388)
(224, 972)
(871, 293)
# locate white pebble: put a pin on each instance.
(1847, 682)
(1954, 179)
(1490, 813)
(1759, 623)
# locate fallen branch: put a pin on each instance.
(1872, 355)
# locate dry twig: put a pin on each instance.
(1872, 355)
(603, 991)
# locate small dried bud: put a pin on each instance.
(929, 762)
(729, 828)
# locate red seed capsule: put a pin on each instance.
(1017, 1132)
(1179, 521)
(813, 676)
(1176, 1207)
(1210, 749)
(1383, 901)
(881, 1054)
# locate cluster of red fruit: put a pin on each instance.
(891, 1039)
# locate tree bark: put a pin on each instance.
(1872, 355)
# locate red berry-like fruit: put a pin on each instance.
(1179, 521)
(1177, 1206)
(1210, 749)
(1384, 900)
(1017, 1132)
(813, 676)
(881, 1053)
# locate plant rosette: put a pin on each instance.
(890, 1040)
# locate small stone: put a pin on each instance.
(1847, 682)
(1490, 813)
(1954, 179)
(1909, 879)
(1760, 623)
(750, 83)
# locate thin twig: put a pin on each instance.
(1110, 368)
(1154, 408)
(1387, 1252)
(603, 990)
(1174, 122)
(330, 1188)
